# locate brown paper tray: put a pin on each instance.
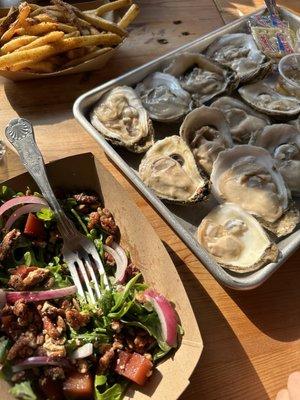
(84, 172)
(90, 65)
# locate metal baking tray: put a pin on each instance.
(183, 219)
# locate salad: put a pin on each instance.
(54, 344)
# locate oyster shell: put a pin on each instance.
(163, 97)
(239, 51)
(121, 118)
(203, 78)
(264, 97)
(242, 119)
(236, 239)
(283, 143)
(169, 169)
(247, 175)
(206, 132)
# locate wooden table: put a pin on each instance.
(251, 339)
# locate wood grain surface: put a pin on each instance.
(251, 339)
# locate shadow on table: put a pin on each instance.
(224, 369)
(274, 307)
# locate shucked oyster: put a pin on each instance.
(242, 119)
(120, 117)
(206, 132)
(203, 78)
(169, 169)
(163, 97)
(264, 97)
(283, 143)
(247, 175)
(235, 239)
(239, 51)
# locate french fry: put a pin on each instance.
(112, 6)
(72, 34)
(45, 27)
(101, 23)
(87, 57)
(24, 10)
(16, 43)
(41, 53)
(44, 18)
(129, 16)
(48, 38)
(42, 66)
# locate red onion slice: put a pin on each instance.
(22, 200)
(82, 352)
(12, 297)
(166, 315)
(21, 211)
(120, 260)
(33, 362)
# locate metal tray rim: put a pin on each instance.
(240, 282)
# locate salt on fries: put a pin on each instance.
(45, 39)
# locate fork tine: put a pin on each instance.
(93, 276)
(76, 278)
(86, 279)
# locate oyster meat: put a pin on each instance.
(163, 97)
(203, 78)
(169, 169)
(264, 97)
(247, 175)
(242, 119)
(236, 239)
(239, 51)
(121, 118)
(206, 132)
(283, 143)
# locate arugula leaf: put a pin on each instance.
(99, 246)
(120, 297)
(23, 391)
(79, 220)
(123, 310)
(3, 348)
(98, 335)
(6, 193)
(105, 392)
(46, 214)
(58, 271)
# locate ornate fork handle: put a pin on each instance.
(20, 134)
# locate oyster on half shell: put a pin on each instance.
(206, 132)
(239, 51)
(283, 143)
(169, 169)
(235, 239)
(264, 97)
(121, 118)
(242, 119)
(163, 97)
(203, 78)
(247, 175)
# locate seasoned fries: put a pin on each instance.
(45, 39)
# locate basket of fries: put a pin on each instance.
(60, 38)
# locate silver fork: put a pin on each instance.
(78, 251)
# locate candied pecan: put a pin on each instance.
(55, 373)
(54, 330)
(140, 342)
(105, 360)
(55, 347)
(109, 260)
(88, 199)
(9, 323)
(131, 270)
(7, 242)
(116, 326)
(27, 315)
(34, 278)
(82, 366)
(49, 310)
(24, 346)
(77, 319)
(103, 219)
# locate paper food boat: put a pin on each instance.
(84, 172)
(90, 65)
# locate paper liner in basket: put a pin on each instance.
(84, 172)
